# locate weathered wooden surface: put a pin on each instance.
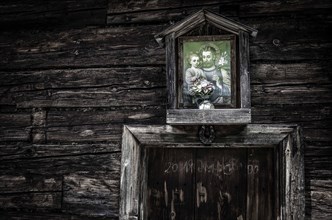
(90, 80)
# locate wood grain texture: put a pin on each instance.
(90, 195)
(43, 13)
(216, 116)
(51, 46)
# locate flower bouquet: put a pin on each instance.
(200, 90)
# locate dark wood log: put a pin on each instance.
(50, 166)
(294, 73)
(15, 134)
(11, 184)
(160, 15)
(94, 82)
(123, 7)
(48, 200)
(42, 215)
(40, 13)
(85, 134)
(292, 113)
(252, 7)
(18, 120)
(133, 77)
(268, 8)
(91, 97)
(107, 116)
(23, 150)
(90, 195)
(290, 94)
(319, 199)
(56, 49)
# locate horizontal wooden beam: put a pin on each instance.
(216, 116)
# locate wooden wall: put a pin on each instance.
(73, 72)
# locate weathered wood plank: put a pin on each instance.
(15, 134)
(110, 134)
(294, 73)
(49, 200)
(317, 135)
(248, 8)
(319, 199)
(159, 16)
(24, 150)
(288, 93)
(133, 77)
(86, 47)
(292, 113)
(268, 8)
(42, 215)
(215, 116)
(29, 183)
(62, 165)
(290, 51)
(221, 184)
(232, 135)
(19, 119)
(65, 13)
(91, 97)
(318, 166)
(22, 86)
(132, 6)
(261, 190)
(91, 195)
(170, 184)
(80, 117)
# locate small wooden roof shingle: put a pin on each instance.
(199, 18)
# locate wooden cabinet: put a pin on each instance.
(252, 172)
(211, 184)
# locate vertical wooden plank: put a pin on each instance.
(220, 184)
(171, 70)
(297, 176)
(261, 186)
(130, 183)
(170, 184)
(244, 70)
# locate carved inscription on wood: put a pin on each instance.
(209, 184)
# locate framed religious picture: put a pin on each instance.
(207, 72)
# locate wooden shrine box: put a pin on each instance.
(227, 71)
(229, 169)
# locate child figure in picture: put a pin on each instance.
(191, 74)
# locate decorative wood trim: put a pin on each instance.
(213, 116)
(244, 70)
(197, 19)
(285, 139)
(171, 70)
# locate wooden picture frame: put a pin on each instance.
(208, 60)
(284, 141)
(238, 111)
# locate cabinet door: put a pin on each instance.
(261, 184)
(171, 175)
(211, 184)
(221, 184)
